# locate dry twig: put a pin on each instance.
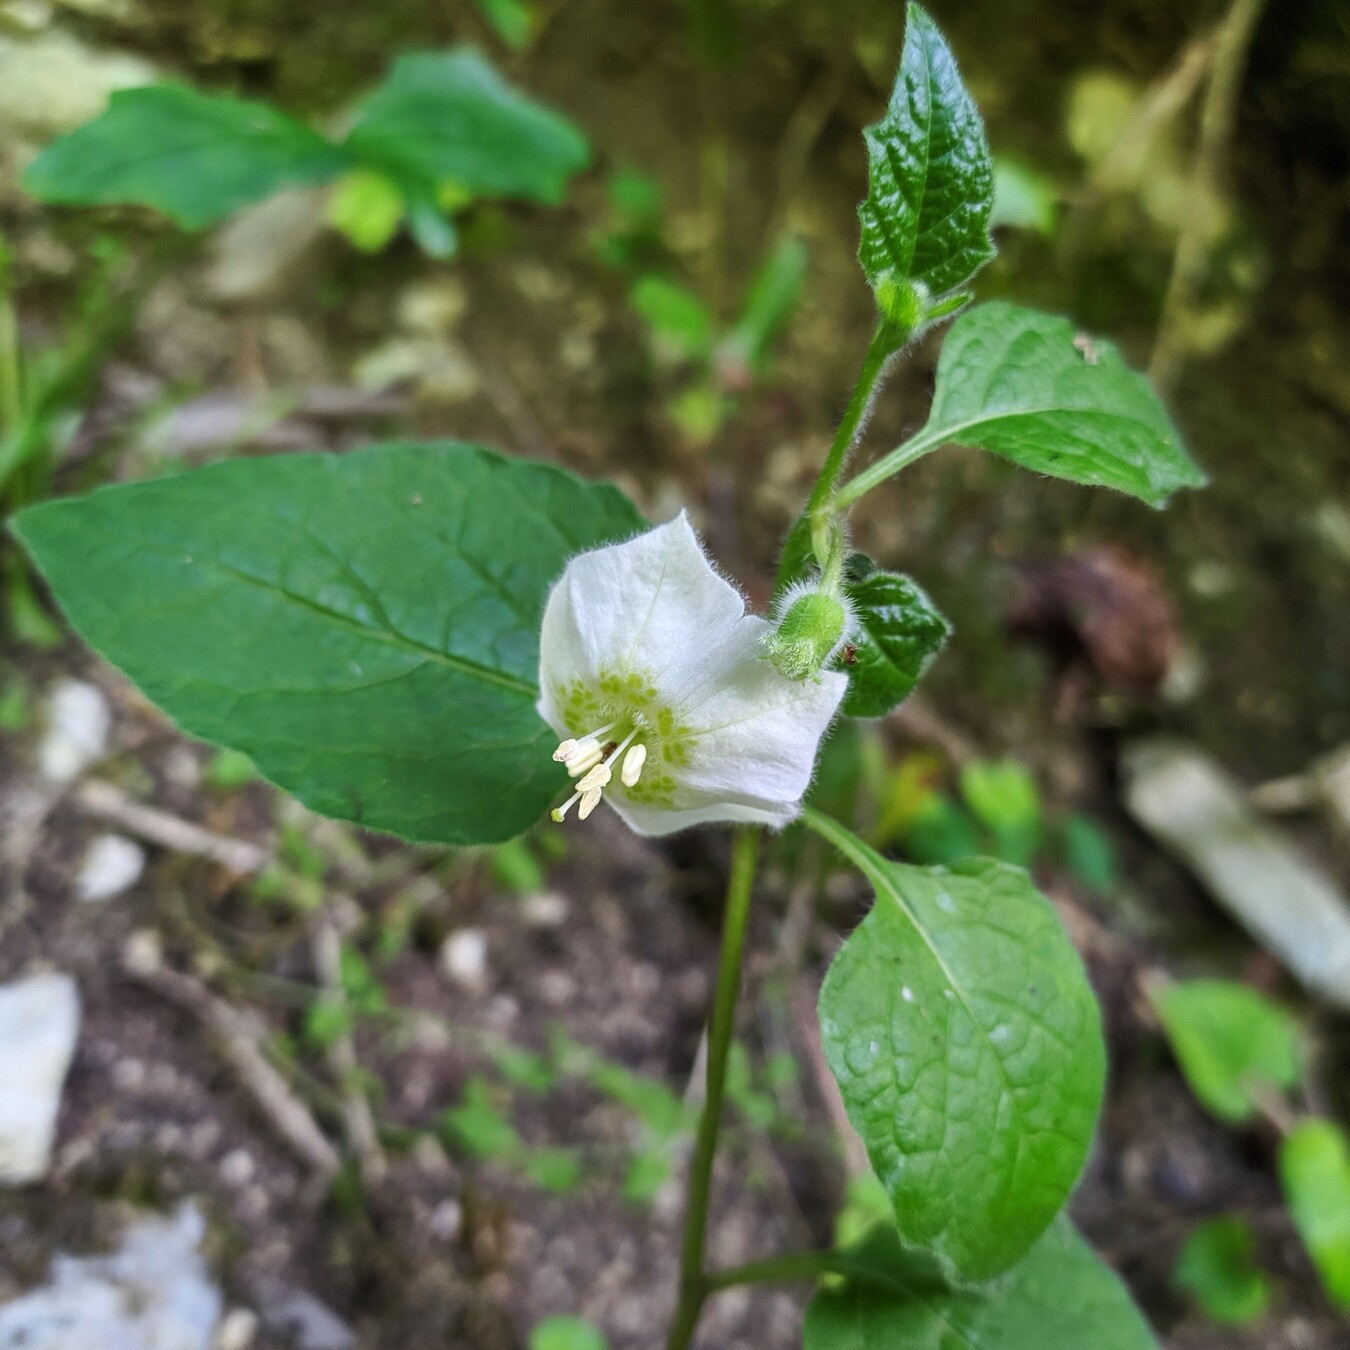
(239, 1039)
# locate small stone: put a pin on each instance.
(128, 1075)
(547, 909)
(236, 1168)
(260, 252)
(304, 1321)
(237, 1331)
(112, 864)
(78, 721)
(447, 1221)
(39, 1024)
(432, 307)
(557, 988)
(464, 959)
(142, 954)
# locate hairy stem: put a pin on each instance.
(888, 339)
(694, 1284)
(861, 483)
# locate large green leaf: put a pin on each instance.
(1058, 1297)
(363, 627)
(448, 118)
(1234, 1045)
(196, 157)
(967, 1044)
(898, 636)
(930, 186)
(1030, 387)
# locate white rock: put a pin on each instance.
(464, 958)
(52, 83)
(259, 253)
(78, 721)
(39, 1023)
(152, 1293)
(112, 864)
(1286, 902)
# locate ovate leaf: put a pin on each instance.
(1233, 1044)
(930, 179)
(1315, 1172)
(363, 627)
(1031, 388)
(898, 635)
(1218, 1267)
(196, 157)
(1058, 1297)
(967, 1044)
(449, 117)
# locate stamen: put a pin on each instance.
(559, 813)
(595, 780)
(589, 801)
(587, 754)
(565, 751)
(632, 765)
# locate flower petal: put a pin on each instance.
(755, 732)
(653, 604)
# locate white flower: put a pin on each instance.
(655, 677)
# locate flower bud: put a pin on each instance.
(901, 301)
(810, 631)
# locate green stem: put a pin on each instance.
(888, 339)
(860, 484)
(793, 1266)
(11, 377)
(694, 1285)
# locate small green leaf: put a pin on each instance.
(196, 157)
(769, 305)
(925, 219)
(1232, 1043)
(1060, 1296)
(1004, 798)
(1217, 1265)
(511, 20)
(677, 317)
(1088, 853)
(364, 627)
(900, 633)
(566, 1333)
(367, 208)
(479, 1126)
(554, 1169)
(939, 831)
(515, 867)
(229, 770)
(1315, 1172)
(1023, 198)
(1029, 387)
(967, 1044)
(648, 1170)
(449, 117)
(524, 1068)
